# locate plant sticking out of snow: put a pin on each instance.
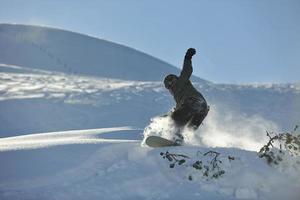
(209, 166)
(174, 158)
(214, 165)
(280, 146)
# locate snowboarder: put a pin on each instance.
(191, 107)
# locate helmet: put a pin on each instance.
(170, 80)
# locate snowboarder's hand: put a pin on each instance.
(190, 52)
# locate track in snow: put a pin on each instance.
(42, 140)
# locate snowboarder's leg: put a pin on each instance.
(192, 112)
(198, 117)
(182, 115)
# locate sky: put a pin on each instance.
(237, 41)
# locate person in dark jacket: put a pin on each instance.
(191, 107)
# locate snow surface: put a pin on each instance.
(73, 109)
(120, 169)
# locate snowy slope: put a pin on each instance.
(68, 54)
(84, 165)
(75, 55)
(73, 109)
(58, 101)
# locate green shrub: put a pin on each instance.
(280, 145)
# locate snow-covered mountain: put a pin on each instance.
(67, 57)
(73, 109)
(69, 52)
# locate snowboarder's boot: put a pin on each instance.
(178, 138)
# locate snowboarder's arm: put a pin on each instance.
(187, 68)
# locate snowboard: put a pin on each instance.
(156, 141)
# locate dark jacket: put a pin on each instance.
(183, 88)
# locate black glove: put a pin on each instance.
(190, 52)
